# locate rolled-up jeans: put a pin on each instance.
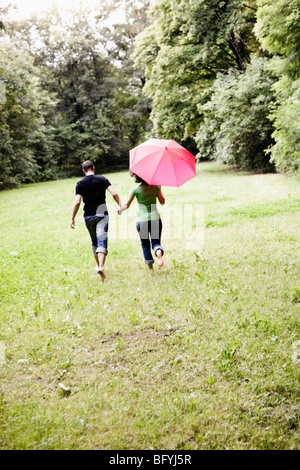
(98, 228)
(150, 235)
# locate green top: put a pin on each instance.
(146, 196)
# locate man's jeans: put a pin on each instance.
(98, 228)
(150, 231)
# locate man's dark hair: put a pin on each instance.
(88, 165)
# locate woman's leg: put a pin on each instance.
(143, 230)
(156, 229)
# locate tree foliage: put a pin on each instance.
(24, 109)
(84, 69)
(206, 82)
(222, 77)
(186, 46)
(278, 29)
(94, 95)
(236, 128)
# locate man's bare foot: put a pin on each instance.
(102, 273)
(150, 266)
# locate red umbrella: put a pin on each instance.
(162, 162)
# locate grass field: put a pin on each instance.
(204, 354)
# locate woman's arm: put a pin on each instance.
(126, 205)
(160, 196)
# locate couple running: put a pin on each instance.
(92, 190)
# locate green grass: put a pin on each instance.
(200, 355)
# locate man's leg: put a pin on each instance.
(101, 261)
(91, 222)
(101, 230)
(96, 258)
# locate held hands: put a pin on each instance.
(121, 209)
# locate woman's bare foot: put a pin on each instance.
(160, 261)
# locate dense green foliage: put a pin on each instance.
(26, 144)
(83, 97)
(278, 28)
(221, 77)
(236, 128)
(187, 44)
(200, 60)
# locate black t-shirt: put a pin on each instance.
(92, 189)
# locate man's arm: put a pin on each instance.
(114, 194)
(75, 209)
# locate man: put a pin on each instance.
(92, 189)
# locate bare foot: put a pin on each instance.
(160, 261)
(150, 266)
(102, 273)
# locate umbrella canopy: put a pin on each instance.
(162, 162)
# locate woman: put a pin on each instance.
(148, 224)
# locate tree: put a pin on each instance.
(278, 29)
(81, 75)
(23, 112)
(100, 112)
(236, 128)
(183, 50)
(134, 108)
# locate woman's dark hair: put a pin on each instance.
(138, 179)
